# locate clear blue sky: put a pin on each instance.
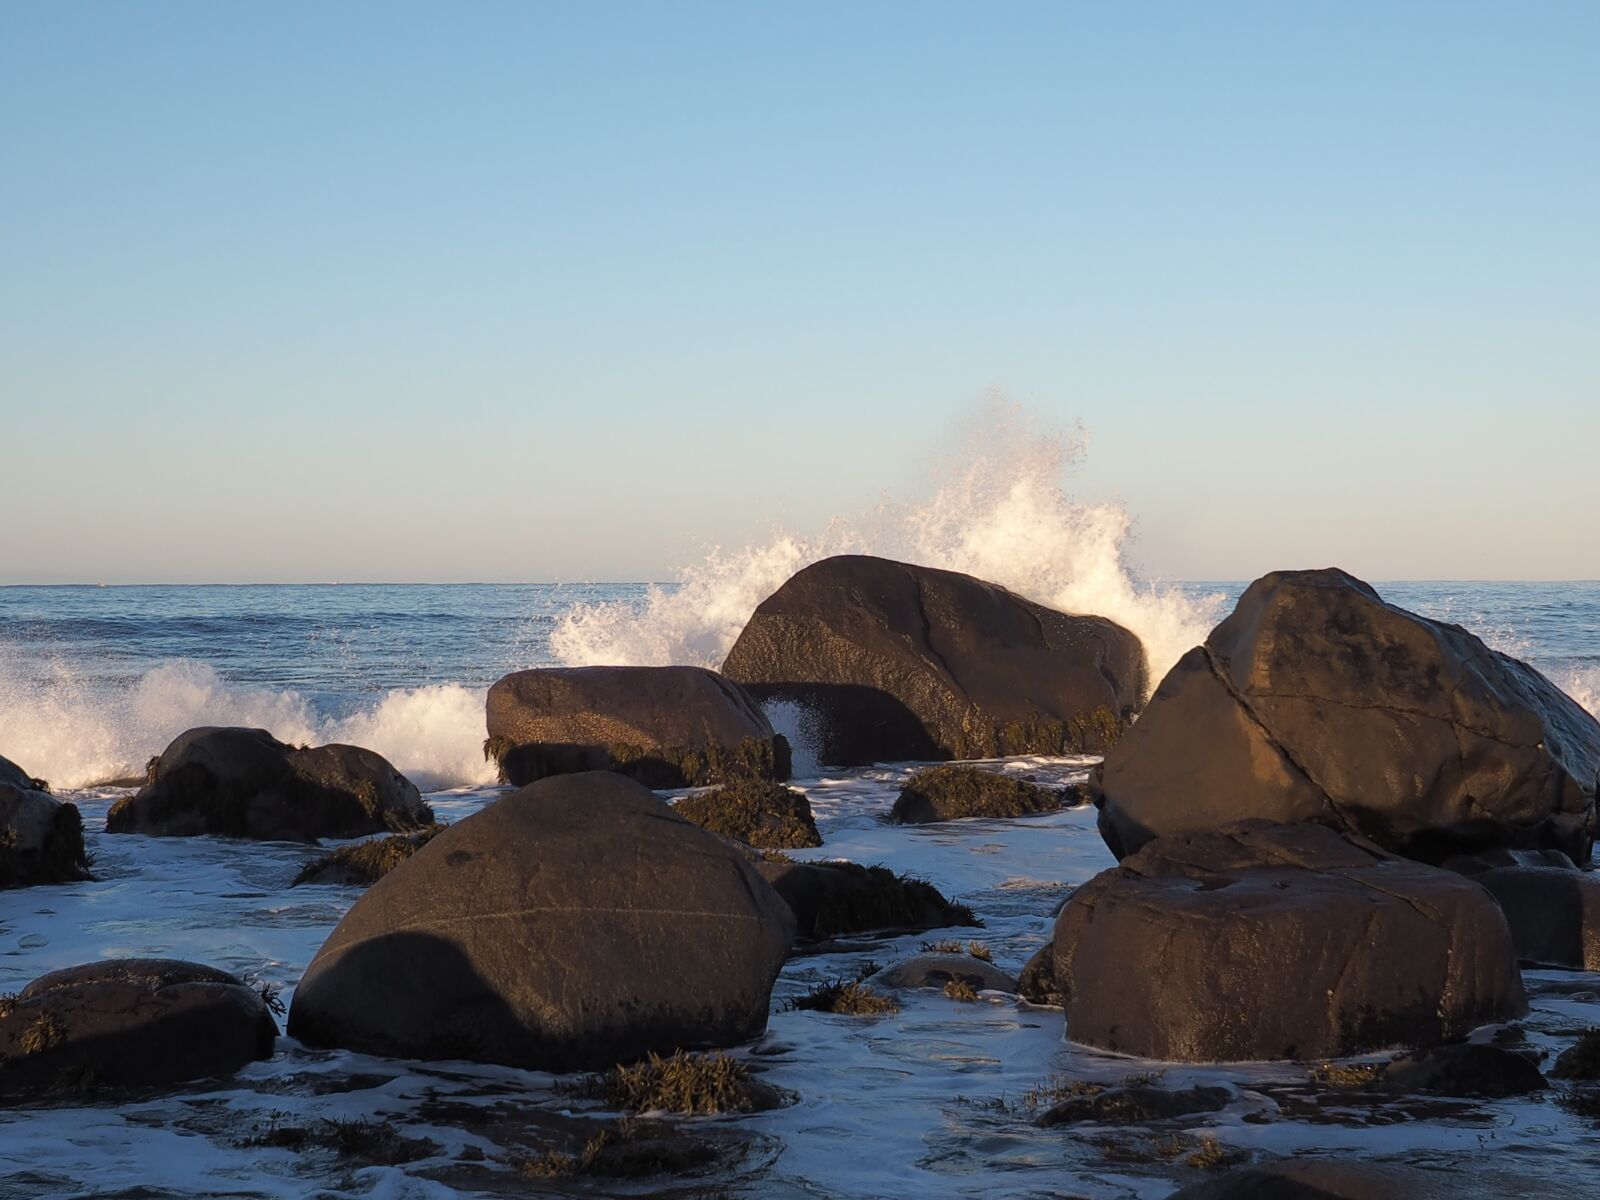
(539, 291)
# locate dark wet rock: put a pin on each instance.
(1137, 1104)
(834, 898)
(245, 783)
(1463, 1069)
(939, 970)
(1581, 1060)
(948, 793)
(130, 1022)
(1316, 701)
(1264, 941)
(756, 812)
(1037, 983)
(664, 726)
(362, 864)
(1504, 856)
(889, 661)
(41, 838)
(1554, 913)
(575, 924)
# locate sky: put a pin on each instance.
(543, 291)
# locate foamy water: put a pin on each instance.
(998, 509)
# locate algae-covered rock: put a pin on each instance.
(664, 726)
(130, 1022)
(361, 864)
(950, 792)
(768, 816)
(245, 783)
(830, 899)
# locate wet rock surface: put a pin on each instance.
(889, 661)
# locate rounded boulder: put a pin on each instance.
(576, 924)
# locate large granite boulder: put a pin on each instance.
(664, 726)
(1265, 941)
(130, 1022)
(41, 838)
(1317, 701)
(575, 924)
(245, 783)
(1553, 908)
(889, 661)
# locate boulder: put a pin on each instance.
(940, 970)
(575, 924)
(756, 812)
(830, 899)
(1317, 701)
(245, 783)
(1263, 941)
(948, 793)
(664, 726)
(1552, 907)
(889, 661)
(41, 838)
(361, 864)
(130, 1022)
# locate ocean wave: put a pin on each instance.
(998, 510)
(76, 733)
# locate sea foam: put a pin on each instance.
(75, 734)
(998, 509)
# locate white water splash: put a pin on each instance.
(999, 510)
(73, 735)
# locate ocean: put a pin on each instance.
(929, 1101)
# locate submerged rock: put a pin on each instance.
(1581, 1060)
(575, 924)
(1136, 1104)
(1317, 701)
(890, 661)
(1344, 1179)
(664, 726)
(948, 793)
(830, 899)
(41, 838)
(130, 1022)
(364, 863)
(245, 783)
(756, 812)
(939, 970)
(1264, 941)
(1463, 1069)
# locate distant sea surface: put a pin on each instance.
(93, 680)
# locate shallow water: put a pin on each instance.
(928, 1101)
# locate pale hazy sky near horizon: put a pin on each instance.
(555, 292)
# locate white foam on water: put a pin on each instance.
(75, 734)
(998, 509)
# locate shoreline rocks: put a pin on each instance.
(889, 661)
(41, 838)
(664, 726)
(1317, 701)
(1263, 942)
(244, 783)
(954, 792)
(575, 924)
(767, 816)
(833, 899)
(131, 1022)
